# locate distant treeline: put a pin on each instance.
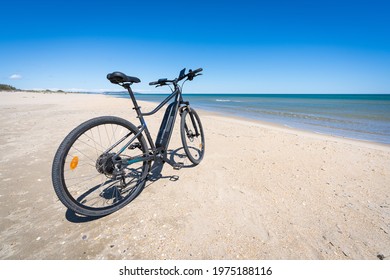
(7, 87)
(4, 87)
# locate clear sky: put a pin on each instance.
(244, 46)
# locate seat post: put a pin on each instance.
(136, 107)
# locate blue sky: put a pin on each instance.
(244, 46)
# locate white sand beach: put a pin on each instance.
(261, 192)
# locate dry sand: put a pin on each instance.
(261, 192)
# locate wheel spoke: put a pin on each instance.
(92, 179)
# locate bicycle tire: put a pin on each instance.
(81, 143)
(193, 144)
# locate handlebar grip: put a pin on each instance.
(159, 82)
(197, 70)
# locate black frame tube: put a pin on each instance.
(144, 128)
(165, 101)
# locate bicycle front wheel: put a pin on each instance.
(90, 173)
(192, 136)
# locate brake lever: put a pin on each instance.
(192, 76)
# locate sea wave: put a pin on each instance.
(228, 100)
(223, 100)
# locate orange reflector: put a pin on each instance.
(74, 162)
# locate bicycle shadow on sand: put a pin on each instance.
(176, 156)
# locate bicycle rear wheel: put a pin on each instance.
(192, 136)
(87, 176)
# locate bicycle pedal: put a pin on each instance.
(178, 166)
(134, 146)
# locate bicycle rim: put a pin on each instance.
(192, 136)
(94, 181)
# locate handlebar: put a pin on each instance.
(190, 76)
(160, 82)
(197, 70)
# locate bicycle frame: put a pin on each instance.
(159, 148)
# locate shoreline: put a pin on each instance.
(293, 130)
(365, 136)
(285, 127)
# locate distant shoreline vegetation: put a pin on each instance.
(7, 87)
(4, 87)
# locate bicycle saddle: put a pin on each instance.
(119, 77)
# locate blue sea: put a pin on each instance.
(356, 116)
